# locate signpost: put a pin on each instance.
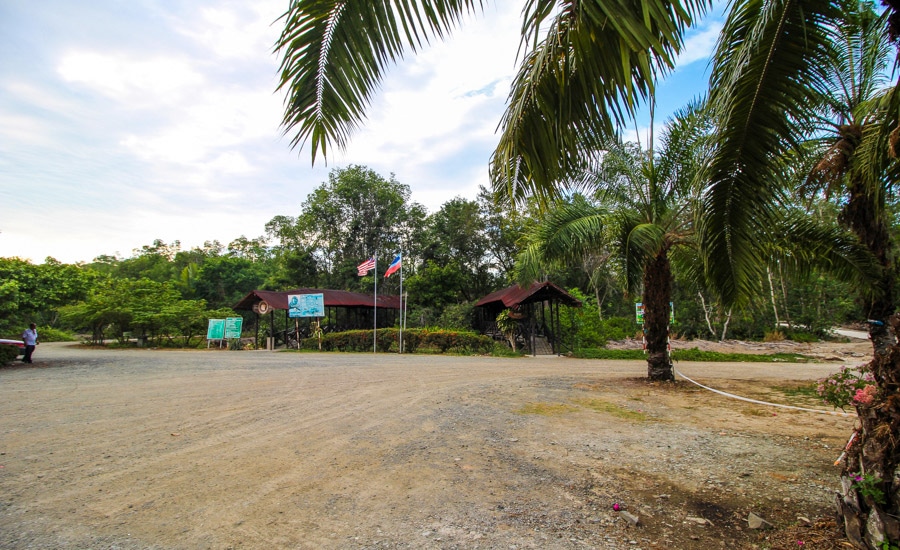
(306, 305)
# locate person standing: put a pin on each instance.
(30, 337)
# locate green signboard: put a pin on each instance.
(222, 329)
(639, 312)
(233, 327)
(216, 329)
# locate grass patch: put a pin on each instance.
(693, 354)
(807, 391)
(603, 353)
(547, 409)
(600, 405)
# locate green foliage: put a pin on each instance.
(869, 486)
(50, 334)
(849, 386)
(442, 341)
(584, 327)
(33, 293)
(457, 316)
(603, 353)
(692, 354)
(143, 308)
(8, 354)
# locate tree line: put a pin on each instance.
(452, 258)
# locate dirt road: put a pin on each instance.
(218, 449)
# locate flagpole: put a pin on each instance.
(401, 301)
(375, 311)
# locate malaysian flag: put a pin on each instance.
(364, 268)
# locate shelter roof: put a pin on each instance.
(536, 292)
(332, 298)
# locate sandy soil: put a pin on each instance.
(223, 449)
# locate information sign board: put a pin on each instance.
(306, 305)
(233, 327)
(216, 329)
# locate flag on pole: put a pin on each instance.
(364, 268)
(395, 265)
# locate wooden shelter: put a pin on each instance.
(344, 310)
(536, 307)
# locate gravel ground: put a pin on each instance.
(223, 449)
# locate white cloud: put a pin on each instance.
(700, 44)
(129, 80)
(236, 32)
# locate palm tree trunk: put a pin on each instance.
(869, 521)
(657, 295)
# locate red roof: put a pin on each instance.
(332, 298)
(537, 292)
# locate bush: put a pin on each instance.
(388, 340)
(803, 337)
(50, 334)
(8, 354)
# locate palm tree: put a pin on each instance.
(586, 66)
(778, 68)
(644, 204)
(844, 169)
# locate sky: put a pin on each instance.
(126, 122)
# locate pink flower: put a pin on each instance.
(866, 395)
(616, 506)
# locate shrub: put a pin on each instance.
(849, 386)
(803, 337)
(8, 354)
(50, 334)
(413, 340)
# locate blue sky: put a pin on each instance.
(125, 122)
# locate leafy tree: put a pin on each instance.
(504, 228)
(354, 215)
(34, 292)
(457, 235)
(224, 280)
(152, 262)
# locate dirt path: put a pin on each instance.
(160, 449)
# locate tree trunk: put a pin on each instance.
(869, 522)
(657, 295)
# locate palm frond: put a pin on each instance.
(799, 243)
(598, 61)
(334, 52)
(769, 55)
(567, 232)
